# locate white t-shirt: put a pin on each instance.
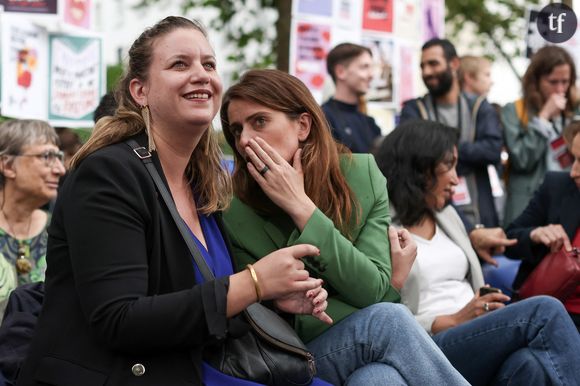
(443, 266)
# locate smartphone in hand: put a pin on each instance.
(488, 290)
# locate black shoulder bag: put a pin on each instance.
(271, 352)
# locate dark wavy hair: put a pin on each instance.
(408, 157)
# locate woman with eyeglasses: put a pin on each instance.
(30, 169)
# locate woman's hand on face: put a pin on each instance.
(477, 306)
(283, 183)
(403, 254)
(312, 302)
(282, 272)
(553, 106)
(553, 236)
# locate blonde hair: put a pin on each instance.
(212, 183)
(470, 65)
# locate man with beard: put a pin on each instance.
(351, 68)
(474, 117)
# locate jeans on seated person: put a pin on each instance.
(381, 345)
(495, 340)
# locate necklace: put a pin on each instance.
(23, 264)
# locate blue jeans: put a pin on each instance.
(531, 342)
(381, 345)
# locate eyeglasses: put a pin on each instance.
(48, 156)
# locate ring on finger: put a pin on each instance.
(264, 170)
(486, 307)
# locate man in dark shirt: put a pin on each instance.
(351, 68)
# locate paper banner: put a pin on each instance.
(78, 13)
(408, 19)
(312, 45)
(30, 6)
(24, 58)
(382, 87)
(408, 66)
(315, 7)
(433, 19)
(75, 81)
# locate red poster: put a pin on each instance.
(378, 15)
(312, 45)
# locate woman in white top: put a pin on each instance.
(530, 342)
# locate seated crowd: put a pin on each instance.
(375, 260)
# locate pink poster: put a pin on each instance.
(407, 74)
(378, 15)
(78, 13)
(312, 45)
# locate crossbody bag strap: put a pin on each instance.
(422, 109)
(145, 156)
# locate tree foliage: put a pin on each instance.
(500, 23)
(251, 28)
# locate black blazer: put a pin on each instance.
(557, 201)
(120, 288)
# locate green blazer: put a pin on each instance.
(357, 273)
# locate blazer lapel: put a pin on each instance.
(451, 224)
(570, 210)
(274, 233)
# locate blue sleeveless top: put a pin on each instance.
(218, 259)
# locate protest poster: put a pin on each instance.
(315, 7)
(348, 14)
(78, 13)
(76, 79)
(24, 59)
(48, 7)
(408, 64)
(382, 86)
(433, 19)
(311, 45)
(407, 20)
(378, 15)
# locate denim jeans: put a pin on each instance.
(531, 342)
(381, 345)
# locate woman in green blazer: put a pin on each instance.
(295, 185)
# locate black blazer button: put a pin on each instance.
(138, 369)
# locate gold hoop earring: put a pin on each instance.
(145, 113)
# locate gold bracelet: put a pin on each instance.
(250, 268)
